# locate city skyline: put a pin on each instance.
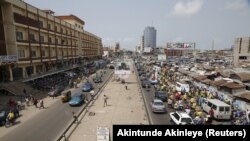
(200, 21)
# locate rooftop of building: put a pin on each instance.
(71, 17)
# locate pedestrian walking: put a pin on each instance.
(24, 92)
(126, 85)
(41, 104)
(27, 100)
(92, 94)
(35, 102)
(248, 115)
(211, 113)
(105, 100)
(75, 117)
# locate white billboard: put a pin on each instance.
(162, 57)
(181, 45)
(122, 68)
(147, 50)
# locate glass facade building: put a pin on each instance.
(150, 37)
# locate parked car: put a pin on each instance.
(146, 84)
(77, 99)
(97, 79)
(87, 87)
(66, 96)
(181, 118)
(4, 113)
(56, 91)
(157, 105)
(111, 67)
(161, 95)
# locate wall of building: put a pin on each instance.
(241, 51)
(40, 39)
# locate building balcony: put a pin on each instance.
(25, 20)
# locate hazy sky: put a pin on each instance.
(200, 21)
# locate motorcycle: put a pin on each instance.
(9, 123)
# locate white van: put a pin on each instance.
(181, 86)
(221, 109)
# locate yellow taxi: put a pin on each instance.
(66, 96)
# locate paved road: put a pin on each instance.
(47, 124)
(156, 118)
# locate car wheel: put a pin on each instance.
(3, 123)
(17, 114)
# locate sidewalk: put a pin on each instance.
(124, 107)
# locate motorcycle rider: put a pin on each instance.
(10, 117)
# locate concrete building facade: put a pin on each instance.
(241, 51)
(149, 37)
(35, 41)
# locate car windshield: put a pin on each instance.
(2, 113)
(158, 103)
(76, 97)
(87, 85)
(186, 120)
(161, 93)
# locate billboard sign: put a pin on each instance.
(147, 50)
(122, 68)
(181, 45)
(162, 57)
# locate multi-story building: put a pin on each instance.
(117, 47)
(149, 37)
(142, 44)
(241, 51)
(34, 41)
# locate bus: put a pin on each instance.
(182, 86)
(221, 109)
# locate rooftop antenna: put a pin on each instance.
(213, 45)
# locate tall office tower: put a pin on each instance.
(149, 37)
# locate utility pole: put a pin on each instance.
(213, 45)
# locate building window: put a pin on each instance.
(41, 24)
(61, 30)
(243, 57)
(32, 37)
(56, 41)
(33, 53)
(19, 35)
(49, 27)
(49, 39)
(55, 28)
(76, 24)
(43, 53)
(79, 26)
(21, 54)
(42, 39)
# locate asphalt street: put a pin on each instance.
(49, 123)
(156, 118)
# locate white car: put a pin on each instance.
(181, 118)
(158, 106)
